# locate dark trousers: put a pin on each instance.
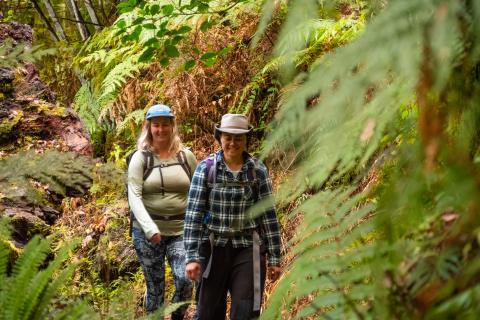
(231, 271)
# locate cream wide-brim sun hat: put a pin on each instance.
(233, 123)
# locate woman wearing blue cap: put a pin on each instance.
(159, 175)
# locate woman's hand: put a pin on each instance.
(192, 271)
(155, 238)
(274, 272)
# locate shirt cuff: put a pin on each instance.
(273, 261)
(149, 233)
(192, 258)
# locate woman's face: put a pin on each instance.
(233, 145)
(161, 129)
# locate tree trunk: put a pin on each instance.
(72, 6)
(92, 14)
(44, 18)
(101, 5)
(56, 23)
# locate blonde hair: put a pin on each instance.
(144, 142)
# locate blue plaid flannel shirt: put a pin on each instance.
(228, 208)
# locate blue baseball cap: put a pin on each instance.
(159, 110)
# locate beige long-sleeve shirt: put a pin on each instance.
(146, 199)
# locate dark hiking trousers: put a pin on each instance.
(231, 271)
(152, 260)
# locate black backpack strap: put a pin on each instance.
(252, 176)
(147, 164)
(182, 160)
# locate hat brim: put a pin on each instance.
(233, 130)
(219, 130)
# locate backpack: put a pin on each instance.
(148, 166)
(211, 173)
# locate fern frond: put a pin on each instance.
(11, 56)
(51, 291)
(136, 117)
(463, 305)
(4, 250)
(331, 255)
(42, 289)
(87, 107)
(118, 76)
(27, 293)
(77, 311)
(337, 115)
(64, 173)
(34, 254)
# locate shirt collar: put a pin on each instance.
(247, 158)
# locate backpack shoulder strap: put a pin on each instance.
(253, 171)
(147, 160)
(147, 163)
(128, 158)
(252, 176)
(182, 160)
(211, 170)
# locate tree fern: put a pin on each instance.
(386, 254)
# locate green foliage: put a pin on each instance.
(28, 292)
(63, 173)
(409, 249)
(117, 65)
(11, 56)
(87, 107)
(109, 182)
(144, 33)
(160, 27)
(58, 72)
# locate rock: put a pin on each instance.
(25, 224)
(31, 119)
(18, 32)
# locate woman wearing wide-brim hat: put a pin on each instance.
(159, 175)
(227, 248)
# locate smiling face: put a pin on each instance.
(161, 129)
(233, 145)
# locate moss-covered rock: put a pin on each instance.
(25, 224)
(47, 109)
(7, 124)
(31, 119)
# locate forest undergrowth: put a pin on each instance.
(366, 113)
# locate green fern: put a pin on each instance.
(64, 173)
(118, 76)
(11, 56)
(28, 291)
(87, 107)
(133, 119)
(4, 249)
(385, 253)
